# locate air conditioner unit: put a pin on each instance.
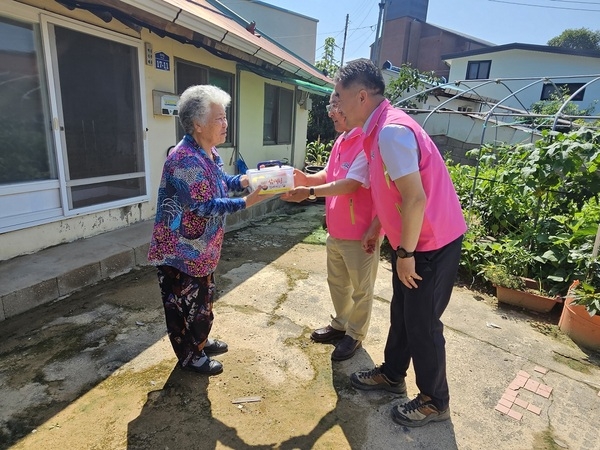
(304, 101)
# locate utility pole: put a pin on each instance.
(344, 44)
(377, 37)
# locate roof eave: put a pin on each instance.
(171, 11)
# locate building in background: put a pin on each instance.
(407, 38)
(295, 32)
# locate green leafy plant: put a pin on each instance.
(585, 294)
(317, 153)
(320, 125)
(533, 208)
(498, 275)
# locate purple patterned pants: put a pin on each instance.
(188, 303)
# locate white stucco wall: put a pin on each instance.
(160, 134)
(530, 64)
(294, 31)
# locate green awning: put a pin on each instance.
(313, 88)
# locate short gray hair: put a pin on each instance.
(361, 72)
(194, 104)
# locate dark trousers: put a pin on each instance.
(188, 303)
(416, 331)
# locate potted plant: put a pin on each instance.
(580, 319)
(518, 291)
(317, 154)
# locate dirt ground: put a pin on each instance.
(104, 350)
(96, 371)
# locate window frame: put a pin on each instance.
(478, 63)
(53, 193)
(229, 112)
(278, 125)
(47, 22)
(548, 89)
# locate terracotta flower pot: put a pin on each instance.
(527, 300)
(577, 323)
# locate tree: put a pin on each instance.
(320, 126)
(410, 79)
(551, 106)
(577, 39)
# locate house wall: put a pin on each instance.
(530, 64)
(251, 125)
(159, 135)
(294, 31)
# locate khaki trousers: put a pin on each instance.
(351, 274)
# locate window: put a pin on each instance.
(478, 70)
(98, 81)
(26, 151)
(277, 128)
(548, 89)
(189, 74)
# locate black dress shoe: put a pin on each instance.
(326, 334)
(345, 349)
(206, 367)
(215, 347)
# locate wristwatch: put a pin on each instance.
(311, 194)
(402, 253)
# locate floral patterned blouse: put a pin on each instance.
(191, 208)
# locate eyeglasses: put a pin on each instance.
(332, 108)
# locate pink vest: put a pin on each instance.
(348, 216)
(443, 221)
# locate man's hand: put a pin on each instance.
(405, 267)
(300, 178)
(371, 237)
(298, 194)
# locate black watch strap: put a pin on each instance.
(402, 253)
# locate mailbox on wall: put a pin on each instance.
(165, 103)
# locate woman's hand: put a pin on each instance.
(244, 181)
(256, 197)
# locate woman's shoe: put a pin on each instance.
(215, 347)
(205, 366)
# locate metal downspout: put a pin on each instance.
(238, 76)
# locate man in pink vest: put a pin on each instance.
(420, 213)
(351, 270)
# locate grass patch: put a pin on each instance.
(546, 441)
(317, 237)
(573, 363)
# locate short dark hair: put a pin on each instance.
(362, 72)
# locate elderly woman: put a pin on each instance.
(189, 226)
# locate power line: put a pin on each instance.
(546, 6)
(584, 3)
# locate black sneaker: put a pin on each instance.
(205, 366)
(418, 412)
(345, 349)
(375, 379)
(215, 347)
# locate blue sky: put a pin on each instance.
(496, 21)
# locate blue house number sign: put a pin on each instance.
(162, 61)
